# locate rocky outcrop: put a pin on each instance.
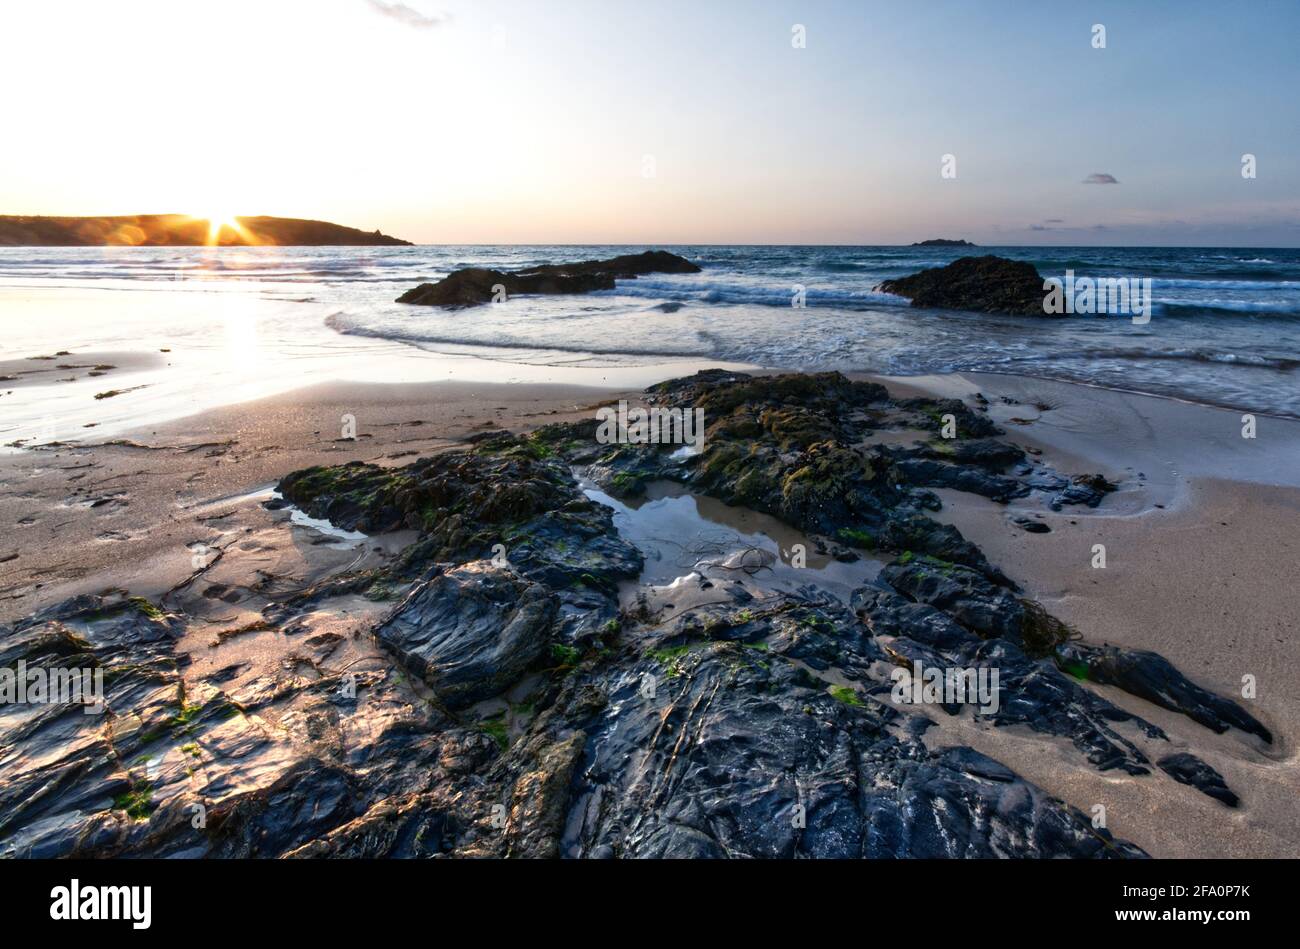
(749, 755)
(985, 284)
(501, 703)
(943, 242)
(475, 285)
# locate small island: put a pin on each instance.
(943, 242)
(182, 230)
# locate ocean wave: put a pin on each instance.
(1252, 360)
(348, 326)
(777, 295)
(1214, 283)
(1261, 309)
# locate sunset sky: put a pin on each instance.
(447, 121)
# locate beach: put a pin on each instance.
(256, 455)
(1200, 540)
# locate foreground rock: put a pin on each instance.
(476, 285)
(511, 690)
(749, 756)
(985, 284)
(471, 632)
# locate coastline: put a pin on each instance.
(128, 515)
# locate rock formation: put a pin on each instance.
(517, 693)
(475, 285)
(985, 284)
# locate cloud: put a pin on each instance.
(407, 15)
(1096, 178)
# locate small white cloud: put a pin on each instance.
(408, 15)
(1100, 178)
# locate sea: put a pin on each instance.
(239, 323)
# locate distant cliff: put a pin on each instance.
(179, 230)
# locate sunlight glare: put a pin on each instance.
(219, 221)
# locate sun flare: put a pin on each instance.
(219, 221)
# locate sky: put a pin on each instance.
(625, 121)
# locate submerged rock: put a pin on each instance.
(475, 285)
(985, 284)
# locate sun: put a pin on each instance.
(219, 221)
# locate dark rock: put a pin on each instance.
(1151, 676)
(888, 614)
(985, 284)
(472, 631)
(943, 242)
(625, 266)
(504, 490)
(929, 414)
(968, 478)
(1083, 489)
(1032, 526)
(1188, 769)
(1037, 695)
(969, 597)
(719, 761)
(787, 446)
(984, 452)
(475, 285)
